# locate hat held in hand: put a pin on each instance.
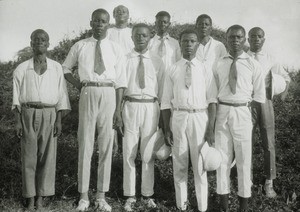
(164, 152)
(209, 159)
(154, 144)
(278, 84)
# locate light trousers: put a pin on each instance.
(263, 117)
(188, 134)
(96, 109)
(140, 121)
(38, 152)
(233, 134)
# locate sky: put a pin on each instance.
(67, 18)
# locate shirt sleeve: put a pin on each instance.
(120, 67)
(16, 88)
(63, 100)
(178, 52)
(259, 90)
(71, 59)
(211, 88)
(167, 94)
(160, 80)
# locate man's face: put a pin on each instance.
(40, 43)
(141, 37)
(188, 44)
(162, 23)
(99, 24)
(121, 14)
(235, 40)
(256, 39)
(204, 27)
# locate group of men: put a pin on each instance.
(193, 88)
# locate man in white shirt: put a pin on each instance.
(121, 33)
(102, 79)
(39, 97)
(140, 114)
(240, 80)
(190, 91)
(162, 44)
(263, 114)
(209, 50)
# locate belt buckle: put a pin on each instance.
(84, 84)
(98, 84)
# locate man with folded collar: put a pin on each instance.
(39, 97)
(102, 79)
(263, 114)
(209, 50)
(240, 80)
(140, 114)
(162, 44)
(190, 91)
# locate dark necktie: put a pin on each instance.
(188, 75)
(99, 67)
(233, 76)
(141, 73)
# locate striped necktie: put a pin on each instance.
(141, 73)
(188, 75)
(99, 67)
(233, 76)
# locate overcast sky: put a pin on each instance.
(66, 18)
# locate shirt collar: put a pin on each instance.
(166, 37)
(31, 66)
(95, 40)
(193, 61)
(244, 55)
(262, 52)
(136, 54)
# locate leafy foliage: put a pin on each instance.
(287, 183)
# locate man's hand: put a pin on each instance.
(168, 138)
(161, 123)
(57, 128)
(19, 129)
(118, 122)
(209, 136)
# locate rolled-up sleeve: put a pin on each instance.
(259, 90)
(71, 59)
(167, 94)
(63, 100)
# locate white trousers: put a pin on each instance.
(188, 134)
(140, 120)
(233, 137)
(96, 109)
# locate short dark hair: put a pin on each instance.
(163, 13)
(100, 11)
(33, 34)
(188, 31)
(255, 28)
(204, 16)
(236, 27)
(120, 6)
(141, 25)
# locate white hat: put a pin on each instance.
(164, 152)
(209, 159)
(278, 84)
(153, 145)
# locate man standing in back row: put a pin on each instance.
(209, 50)
(102, 79)
(263, 114)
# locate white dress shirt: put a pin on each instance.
(47, 88)
(121, 37)
(250, 80)
(270, 64)
(154, 73)
(83, 54)
(210, 53)
(203, 89)
(172, 54)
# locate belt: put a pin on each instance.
(247, 104)
(97, 84)
(189, 110)
(37, 105)
(131, 99)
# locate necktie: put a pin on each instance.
(188, 75)
(141, 73)
(99, 67)
(233, 76)
(162, 47)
